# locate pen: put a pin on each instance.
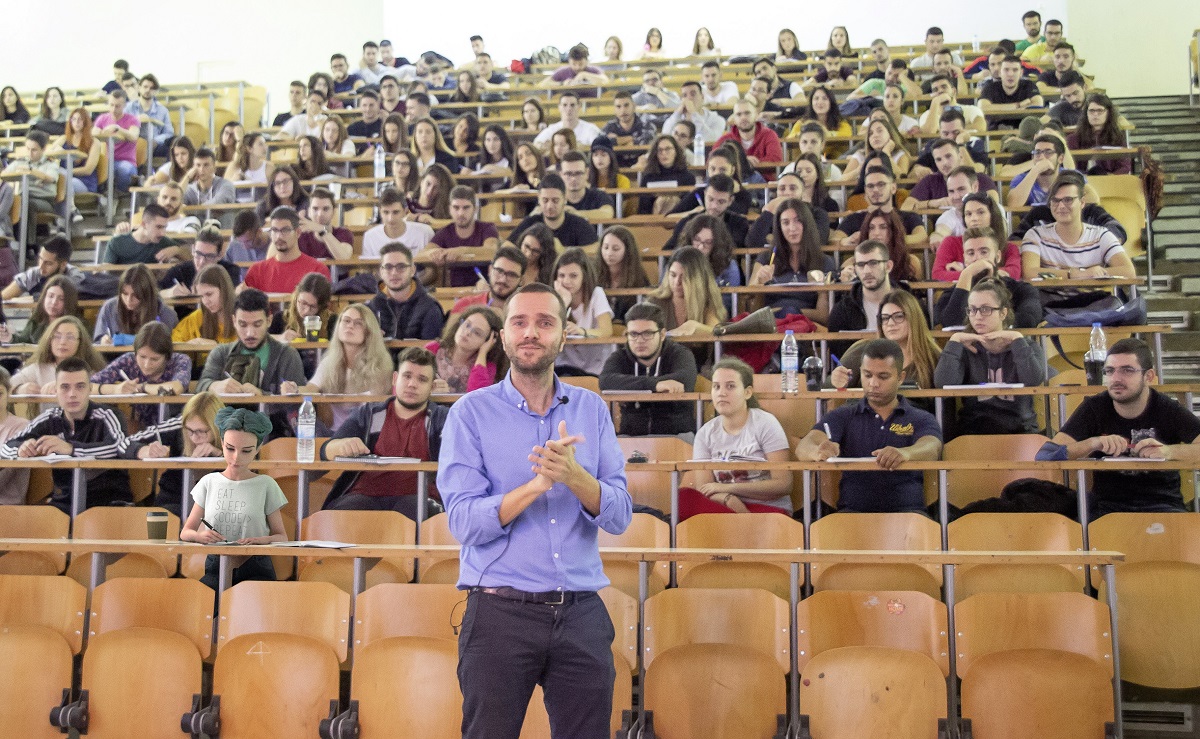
(480, 275)
(209, 525)
(828, 433)
(835, 359)
(124, 376)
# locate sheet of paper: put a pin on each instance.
(988, 385)
(372, 459)
(314, 544)
(850, 459)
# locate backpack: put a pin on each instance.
(1107, 311)
(547, 55)
(98, 285)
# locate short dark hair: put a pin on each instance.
(1136, 347)
(38, 137)
(298, 83)
(982, 232)
(129, 76)
(1066, 178)
(832, 53)
(939, 77)
(1072, 77)
(73, 364)
(537, 287)
(121, 64)
(623, 95)
(1065, 45)
(211, 235)
(952, 115)
(395, 247)
(884, 349)
(1059, 147)
(967, 171)
(322, 193)
(462, 192)
(552, 181)
(871, 245)
(152, 78)
(370, 45)
(880, 170)
(419, 98)
(337, 56)
(476, 37)
(512, 254)
(314, 91)
(285, 213)
(205, 153)
(154, 210)
(710, 64)
(577, 52)
(569, 94)
(368, 94)
(942, 51)
(574, 156)
(722, 183)
(898, 64)
(392, 196)
(1031, 14)
(60, 247)
(1054, 22)
(813, 127)
(646, 312)
(934, 31)
(691, 83)
(1010, 59)
(252, 300)
(119, 94)
(939, 143)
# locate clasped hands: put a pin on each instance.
(555, 461)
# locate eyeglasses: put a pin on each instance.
(1125, 371)
(642, 335)
(206, 256)
(984, 310)
(281, 231)
(580, 173)
(898, 317)
(507, 274)
(473, 331)
(401, 267)
(304, 305)
(1044, 153)
(194, 433)
(869, 264)
(875, 185)
(1066, 202)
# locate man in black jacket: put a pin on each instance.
(983, 256)
(404, 309)
(76, 428)
(858, 310)
(718, 197)
(650, 362)
(407, 425)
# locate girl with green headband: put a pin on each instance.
(237, 505)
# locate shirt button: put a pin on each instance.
(553, 521)
(556, 555)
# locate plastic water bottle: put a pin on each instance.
(306, 432)
(380, 163)
(814, 372)
(1093, 361)
(698, 149)
(790, 363)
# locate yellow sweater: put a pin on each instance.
(189, 328)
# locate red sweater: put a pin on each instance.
(766, 146)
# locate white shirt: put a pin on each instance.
(708, 124)
(589, 358)
(585, 133)
(297, 126)
(970, 113)
(416, 235)
(726, 92)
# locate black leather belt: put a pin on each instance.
(549, 598)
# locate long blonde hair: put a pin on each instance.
(204, 406)
(700, 292)
(372, 370)
(86, 351)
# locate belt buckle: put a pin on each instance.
(562, 595)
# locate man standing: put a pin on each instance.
(569, 229)
(709, 124)
(879, 187)
(77, 427)
(858, 310)
(1129, 419)
(529, 555)
(122, 127)
(568, 111)
(54, 258)
(466, 238)
(714, 90)
(281, 272)
(148, 242)
(407, 425)
(206, 187)
(651, 362)
(883, 425)
(319, 238)
(760, 143)
(504, 277)
(404, 309)
(256, 363)
(393, 207)
(152, 113)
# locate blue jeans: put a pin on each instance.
(123, 172)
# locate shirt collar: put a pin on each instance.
(902, 405)
(512, 396)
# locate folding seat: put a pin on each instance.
(644, 531)
(887, 531)
(116, 522)
(33, 522)
(968, 486)
(750, 531)
(1016, 532)
(436, 530)
(653, 487)
(358, 527)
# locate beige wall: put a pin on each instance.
(1134, 48)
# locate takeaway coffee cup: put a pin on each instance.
(156, 525)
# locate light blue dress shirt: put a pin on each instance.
(551, 545)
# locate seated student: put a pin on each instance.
(249, 243)
(206, 188)
(688, 294)
(812, 141)
(951, 125)
(568, 108)
(583, 200)
(961, 182)
(64, 337)
(307, 123)
(1129, 419)
(431, 202)
(858, 310)
(237, 505)
(76, 427)
(900, 319)
(569, 229)
(803, 184)
(1032, 187)
(470, 353)
(759, 142)
(577, 71)
(983, 258)
(227, 143)
(718, 197)
(740, 432)
(402, 307)
(619, 266)
(43, 173)
(137, 304)
(212, 320)
(711, 237)
(879, 137)
(487, 77)
(509, 269)
(1010, 92)
(1101, 130)
(650, 361)
(193, 433)
(319, 238)
(794, 257)
(887, 228)
(59, 298)
(153, 368)
(296, 101)
(123, 128)
(281, 271)
(311, 162)
(256, 363)
(989, 350)
(666, 166)
(77, 137)
(833, 71)
(883, 425)
(590, 315)
(1069, 247)
(285, 190)
(931, 191)
(357, 361)
(626, 128)
(709, 124)
(148, 242)
(466, 236)
(1042, 53)
(430, 148)
(394, 228)
(54, 258)
(179, 281)
(823, 109)
(879, 187)
(1068, 111)
(310, 298)
(170, 197)
(977, 210)
(14, 481)
(408, 425)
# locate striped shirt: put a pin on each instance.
(1096, 247)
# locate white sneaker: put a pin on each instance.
(76, 217)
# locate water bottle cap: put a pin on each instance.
(789, 332)
(307, 398)
(1096, 324)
